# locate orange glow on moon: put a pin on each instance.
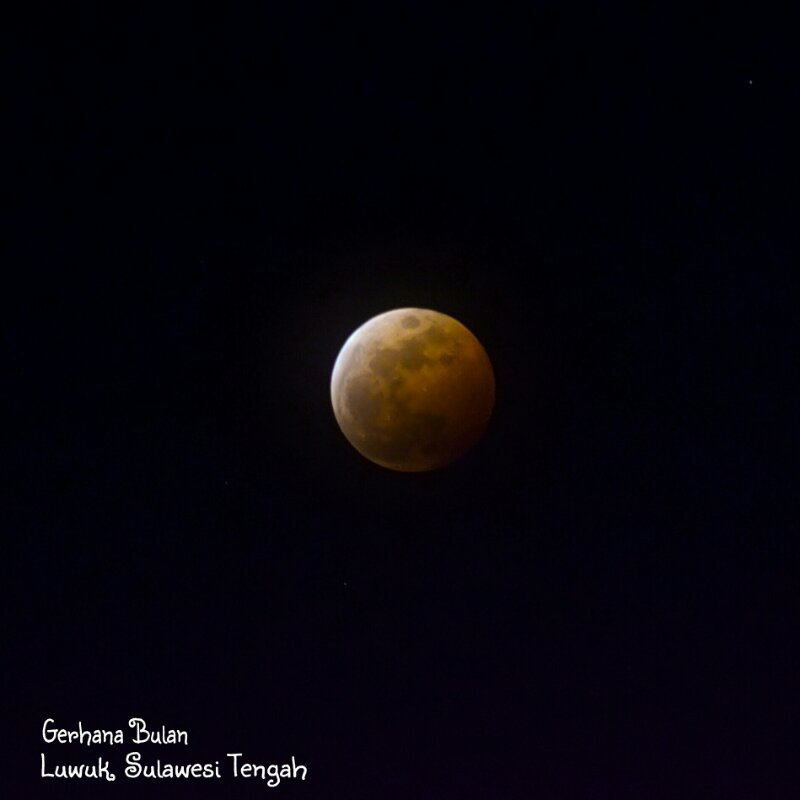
(412, 389)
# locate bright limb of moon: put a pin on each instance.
(412, 389)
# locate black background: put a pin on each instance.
(595, 601)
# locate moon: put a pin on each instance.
(412, 389)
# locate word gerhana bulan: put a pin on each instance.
(141, 734)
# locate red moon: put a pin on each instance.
(412, 389)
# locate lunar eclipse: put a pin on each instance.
(412, 389)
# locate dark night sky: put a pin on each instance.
(595, 601)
